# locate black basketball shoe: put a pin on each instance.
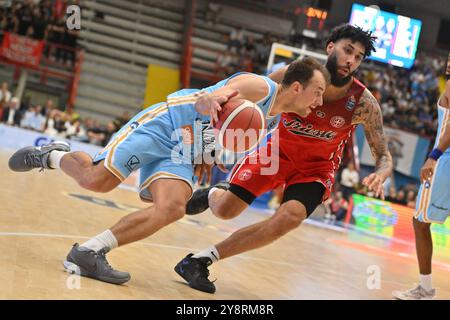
(195, 272)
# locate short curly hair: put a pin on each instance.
(356, 34)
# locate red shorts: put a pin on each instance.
(258, 174)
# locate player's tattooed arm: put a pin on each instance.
(368, 113)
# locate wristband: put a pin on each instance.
(435, 154)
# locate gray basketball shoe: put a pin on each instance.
(88, 263)
(417, 293)
(29, 158)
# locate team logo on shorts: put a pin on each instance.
(132, 163)
(134, 125)
(351, 103)
(337, 121)
(187, 135)
(320, 114)
(245, 175)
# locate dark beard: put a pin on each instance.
(336, 79)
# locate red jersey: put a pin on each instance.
(316, 143)
(309, 149)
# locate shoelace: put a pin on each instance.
(34, 160)
(415, 291)
(204, 271)
(102, 255)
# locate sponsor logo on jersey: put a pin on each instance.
(351, 103)
(307, 130)
(245, 175)
(187, 135)
(337, 121)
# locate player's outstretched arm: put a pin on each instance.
(368, 113)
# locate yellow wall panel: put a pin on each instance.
(161, 81)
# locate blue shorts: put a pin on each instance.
(146, 143)
(433, 200)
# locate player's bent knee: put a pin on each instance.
(293, 214)
(225, 212)
(99, 181)
(172, 210)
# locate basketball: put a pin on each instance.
(241, 125)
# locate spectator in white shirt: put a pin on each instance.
(236, 40)
(5, 94)
(11, 114)
(349, 178)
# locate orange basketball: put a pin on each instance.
(241, 125)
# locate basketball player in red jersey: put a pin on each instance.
(309, 151)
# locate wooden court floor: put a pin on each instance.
(43, 214)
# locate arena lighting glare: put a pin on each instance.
(397, 36)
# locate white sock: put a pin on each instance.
(210, 252)
(104, 239)
(54, 159)
(425, 281)
(213, 189)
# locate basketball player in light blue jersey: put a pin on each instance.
(433, 200)
(151, 142)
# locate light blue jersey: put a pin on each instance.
(182, 106)
(433, 200)
(161, 140)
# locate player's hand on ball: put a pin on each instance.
(427, 170)
(375, 183)
(211, 104)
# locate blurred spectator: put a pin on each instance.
(49, 106)
(38, 25)
(5, 94)
(349, 178)
(25, 18)
(59, 30)
(336, 207)
(392, 196)
(33, 119)
(225, 64)
(122, 120)
(400, 199)
(212, 13)
(11, 114)
(411, 199)
(10, 20)
(55, 123)
(236, 40)
(70, 40)
(108, 132)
